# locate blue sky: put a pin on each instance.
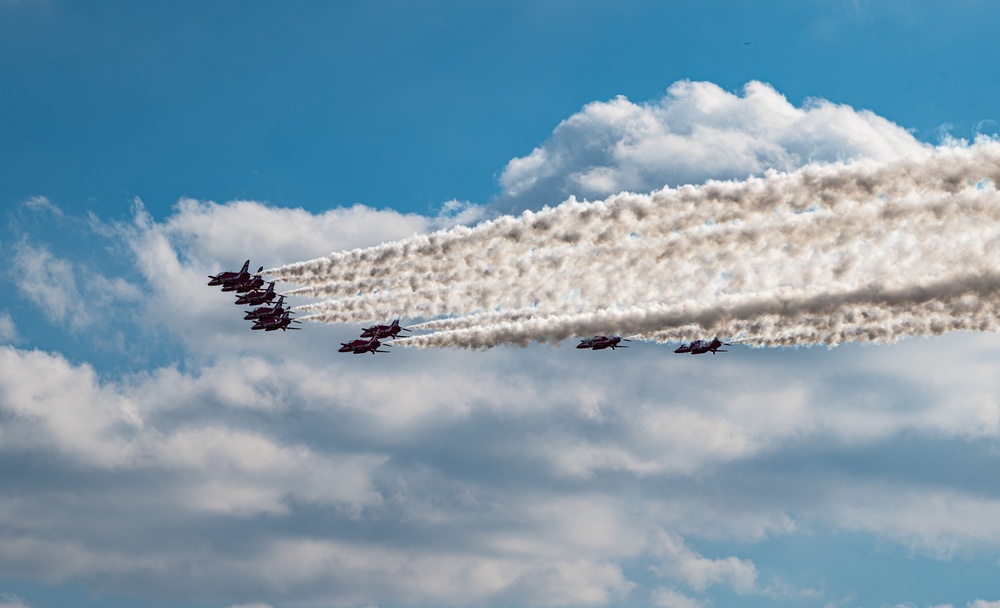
(306, 105)
(155, 453)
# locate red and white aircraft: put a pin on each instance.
(700, 347)
(359, 346)
(282, 321)
(267, 311)
(245, 284)
(383, 331)
(602, 342)
(224, 278)
(257, 297)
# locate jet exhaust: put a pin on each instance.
(829, 253)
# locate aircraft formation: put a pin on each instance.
(249, 293)
(272, 318)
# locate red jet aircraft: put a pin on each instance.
(257, 297)
(602, 342)
(224, 278)
(700, 347)
(243, 285)
(266, 311)
(276, 322)
(360, 347)
(383, 331)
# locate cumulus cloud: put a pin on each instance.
(210, 232)
(697, 131)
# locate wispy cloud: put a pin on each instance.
(42, 204)
(680, 562)
(49, 282)
(66, 291)
(8, 330)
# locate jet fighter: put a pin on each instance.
(359, 346)
(225, 278)
(700, 347)
(266, 311)
(257, 297)
(602, 342)
(245, 284)
(383, 331)
(282, 322)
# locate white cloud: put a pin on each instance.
(49, 282)
(696, 132)
(980, 603)
(8, 330)
(940, 522)
(444, 578)
(67, 292)
(42, 204)
(678, 561)
(63, 407)
(211, 233)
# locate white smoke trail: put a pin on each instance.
(861, 251)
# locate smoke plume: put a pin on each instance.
(861, 251)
